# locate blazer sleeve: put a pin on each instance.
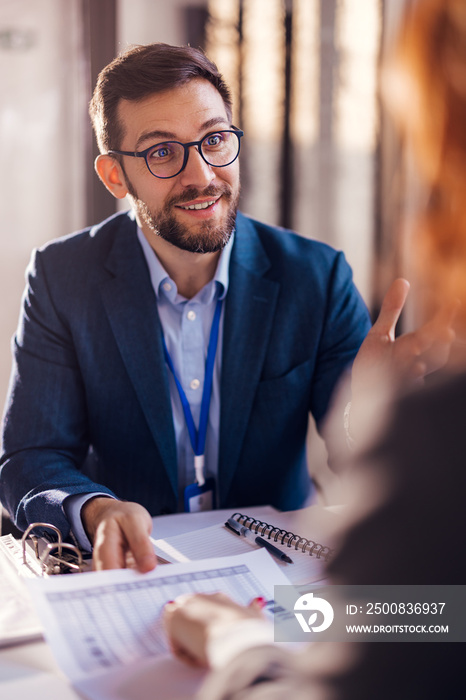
(45, 424)
(345, 324)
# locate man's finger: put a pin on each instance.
(120, 528)
(141, 547)
(447, 313)
(440, 328)
(391, 308)
(109, 547)
(434, 339)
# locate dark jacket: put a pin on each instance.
(89, 406)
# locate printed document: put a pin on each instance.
(105, 628)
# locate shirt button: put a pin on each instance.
(191, 315)
(167, 286)
(195, 384)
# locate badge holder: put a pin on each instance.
(198, 498)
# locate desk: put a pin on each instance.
(29, 671)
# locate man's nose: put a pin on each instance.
(197, 172)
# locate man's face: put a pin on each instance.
(186, 113)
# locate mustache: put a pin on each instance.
(193, 193)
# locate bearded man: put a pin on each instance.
(167, 358)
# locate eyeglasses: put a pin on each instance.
(168, 158)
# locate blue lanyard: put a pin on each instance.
(198, 437)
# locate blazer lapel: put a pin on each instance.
(131, 307)
(249, 312)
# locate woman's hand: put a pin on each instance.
(192, 621)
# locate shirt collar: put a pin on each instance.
(159, 275)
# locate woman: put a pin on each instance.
(410, 529)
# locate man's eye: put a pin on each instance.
(161, 152)
(213, 140)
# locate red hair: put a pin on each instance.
(429, 63)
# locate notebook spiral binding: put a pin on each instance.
(284, 537)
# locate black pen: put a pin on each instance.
(234, 525)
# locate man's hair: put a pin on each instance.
(142, 71)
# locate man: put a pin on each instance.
(107, 398)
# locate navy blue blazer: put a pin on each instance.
(89, 407)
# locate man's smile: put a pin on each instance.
(198, 205)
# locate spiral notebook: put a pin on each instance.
(280, 536)
(309, 555)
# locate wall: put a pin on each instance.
(41, 141)
(143, 21)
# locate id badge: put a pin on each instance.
(198, 498)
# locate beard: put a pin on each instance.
(209, 237)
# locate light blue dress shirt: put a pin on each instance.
(186, 325)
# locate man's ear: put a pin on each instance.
(109, 171)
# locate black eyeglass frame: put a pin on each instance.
(143, 154)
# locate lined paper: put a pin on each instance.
(217, 540)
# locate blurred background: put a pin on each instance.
(319, 154)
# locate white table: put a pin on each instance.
(29, 671)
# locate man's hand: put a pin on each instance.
(119, 531)
(410, 356)
(385, 362)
